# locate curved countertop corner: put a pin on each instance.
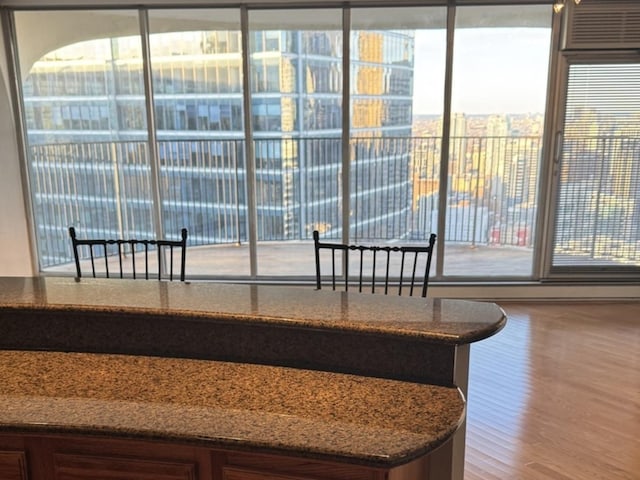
(453, 322)
(328, 416)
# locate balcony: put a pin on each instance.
(106, 189)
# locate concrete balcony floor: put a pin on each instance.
(295, 261)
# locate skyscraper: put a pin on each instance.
(85, 107)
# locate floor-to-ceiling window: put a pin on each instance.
(143, 121)
(195, 59)
(296, 112)
(86, 129)
(398, 62)
(499, 91)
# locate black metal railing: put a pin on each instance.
(104, 190)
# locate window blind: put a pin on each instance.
(598, 203)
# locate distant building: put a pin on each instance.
(86, 123)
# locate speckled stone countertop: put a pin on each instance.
(330, 416)
(401, 338)
(445, 321)
(362, 378)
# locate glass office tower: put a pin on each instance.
(92, 167)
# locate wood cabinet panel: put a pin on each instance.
(295, 468)
(232, 473)
(84, 467)
(13, 465)
(71, 457)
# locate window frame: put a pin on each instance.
(552, 272)
(435, 3)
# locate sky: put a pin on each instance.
(494, 70)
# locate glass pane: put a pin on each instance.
(598, 215)
(196, 68)
(86, 128)
(397, 101)
(296, 102)
(498, 110)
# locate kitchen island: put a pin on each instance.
(331, 379)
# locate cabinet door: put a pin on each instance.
(232, 473)
(13, 465)
(250, 466)
(86, 467)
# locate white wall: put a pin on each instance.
(15, 256)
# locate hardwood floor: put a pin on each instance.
(556, 394)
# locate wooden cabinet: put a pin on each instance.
(13, 465)
(249, 466)
(231, 473)
(85, 467)
(62, 457)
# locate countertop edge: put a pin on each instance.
(220, 317)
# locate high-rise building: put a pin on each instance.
(85, 109)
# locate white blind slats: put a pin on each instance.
(598, 214)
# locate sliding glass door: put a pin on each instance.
(596, 228)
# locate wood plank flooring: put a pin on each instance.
(556, 394)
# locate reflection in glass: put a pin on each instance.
(296, 108)
(397, 75)
(86, 127)
(196, 69)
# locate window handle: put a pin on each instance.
(559, 145)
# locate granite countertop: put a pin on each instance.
(444, 321)
(331, 416)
